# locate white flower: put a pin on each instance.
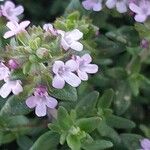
(70, 39)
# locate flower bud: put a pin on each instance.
(13, 64)
(144, 44)
(42, 53)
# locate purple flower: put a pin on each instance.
(13, 64)
(49, 28)
(95, 5)
(142, 10)
(121, 5)
(144, 43)
(64, 73)
(40, 101)
(4, 71)
(70, 40)
(145, 144)
(11, 86)
(10, 11)
(15, 28)
(84, 66)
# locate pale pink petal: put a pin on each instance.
(121, 7)
(5, 90)
(87, 58)
(18, 10)
(87, 4)
(97, 6)
(62, 33)
(8, 34)
(31, 102)
(57, 65)
(145, 143)
(76, 46)
(91, 68)
(58, 82)
(64, 44)
(140, 18)
(76, 34)
(111, 4)
(17, 88)
(135, 8)
(82, 75)
(51, 102)
(9, 4)
(24, 24)
(72, 79)
(72, 65)
(40, 109)
(12, 25)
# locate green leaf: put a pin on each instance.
(68, 93)
(97, 145)
(106, 99)
(119, 122)
(47, 141)
(24, 142)
(88, 124)
(131, 141)
(14, 106)
(107, 131)
(86, 105)
(73, 142)
(64, 120)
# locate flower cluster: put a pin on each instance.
(52, 55)
(140, 8)
(10, 12)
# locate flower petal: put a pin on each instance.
(51, 102)
(72, 79)
(91, 68)
(17, 88)
(24, 24)
(8, 34)
(135, 8)
(97, 6)
(87, 4)
(76, 34)
(18, 10)
(31, 102)
(140, 18)
(64, 44)
(76, 46)
(5, 90)
(111, 4)
(40, 109)
(72, 65)
(57, 65)
(87, 58)
(121, 6)
(82, 75)
(12, 25)
(145, 143)
(58, 82)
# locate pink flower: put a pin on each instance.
(13, 64)
(64, 73)
(49, 28)
(15, 28)
(95, 5)
(121, 5)
(4, 71)
(145, 144)
(40, 101)
(10, 11)
(70, 40)
(142, 10)
(11, 86)
(84, 66)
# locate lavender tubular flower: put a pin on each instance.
(11, 12)
(40, 101)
